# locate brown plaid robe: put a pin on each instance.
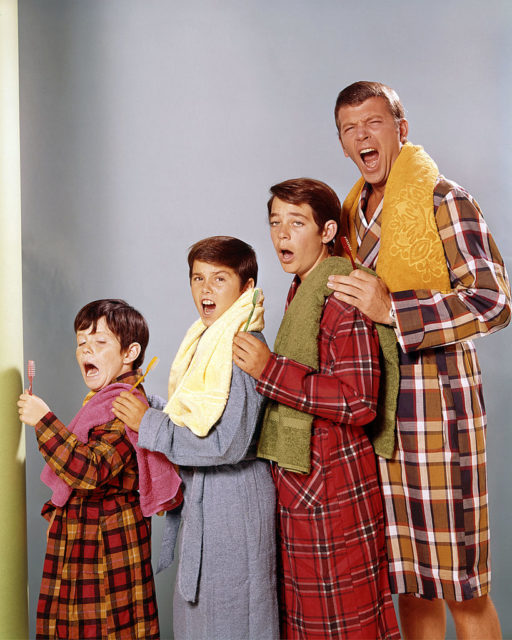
(435, 487)
(97, 576)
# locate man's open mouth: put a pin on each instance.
(370, 157)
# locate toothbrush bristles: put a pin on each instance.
(31, 372)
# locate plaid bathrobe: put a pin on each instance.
(97, 576)
(333, 565)
(435, 486)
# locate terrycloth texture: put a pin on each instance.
(225, 585)
(200, 375)
(411, 254)
(286, 432)
(158, 481)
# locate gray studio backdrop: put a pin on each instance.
(147, 125)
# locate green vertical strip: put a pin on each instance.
(13, 547)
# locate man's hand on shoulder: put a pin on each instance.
(366, 292)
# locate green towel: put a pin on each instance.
(286, 432)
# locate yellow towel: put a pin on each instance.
(411, 254)
(200, 376)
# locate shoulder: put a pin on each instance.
(448, 191)
(259, 335)
(340, 315)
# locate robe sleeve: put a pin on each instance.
(345, 388)
(479, 299)
(226, 443)
(84, 466)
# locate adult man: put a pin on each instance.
(441, 283)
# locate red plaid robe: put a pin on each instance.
(435, 487)
(333, 569)
(97, 576)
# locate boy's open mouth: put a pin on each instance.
(370, 157)
(90, 369)
(286, 256)
(209, 307)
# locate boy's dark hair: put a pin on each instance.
(228, 251)
(125, 322)
(320, 197)
(359, 92)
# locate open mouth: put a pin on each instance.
(286, 256)
(209, 307)
(370, 157)
(90, 369)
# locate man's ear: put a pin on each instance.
(403, 128)
(248, 285)
(330, 229)
(132, 353)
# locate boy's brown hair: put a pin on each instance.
(125, 322)
(321, 198)
(230, 252)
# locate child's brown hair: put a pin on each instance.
(125, 322)
(228, 251)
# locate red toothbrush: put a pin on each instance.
(31, 372)
(348, 250)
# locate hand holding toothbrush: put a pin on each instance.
(31, 408)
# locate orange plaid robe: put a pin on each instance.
(97, 576)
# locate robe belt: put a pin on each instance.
(191, 538)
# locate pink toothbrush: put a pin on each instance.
(31, 372)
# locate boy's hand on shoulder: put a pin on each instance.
(250, 354)
(31, 409)
(129, 409)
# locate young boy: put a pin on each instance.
(226, 582)
(333, 566)
(97, 576)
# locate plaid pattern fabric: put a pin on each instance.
(435, 487)
(333, 566)
(97, 576)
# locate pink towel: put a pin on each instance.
(158, 481)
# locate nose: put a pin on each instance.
(206, 286)
(86, 348)
(361, 132)
(284, 231)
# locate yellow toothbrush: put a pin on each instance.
(150, 366)
(255, 298)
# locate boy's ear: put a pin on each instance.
(330, 229)
(248, 285)
(132, 353)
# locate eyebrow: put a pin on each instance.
(370, 117)
(297, 214)
(215, 273)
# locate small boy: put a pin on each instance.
(323, 380)
(97, 576)
(226, 580)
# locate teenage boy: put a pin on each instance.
(226, 579)
(333, 569)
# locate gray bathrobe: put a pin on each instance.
(226, 581)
